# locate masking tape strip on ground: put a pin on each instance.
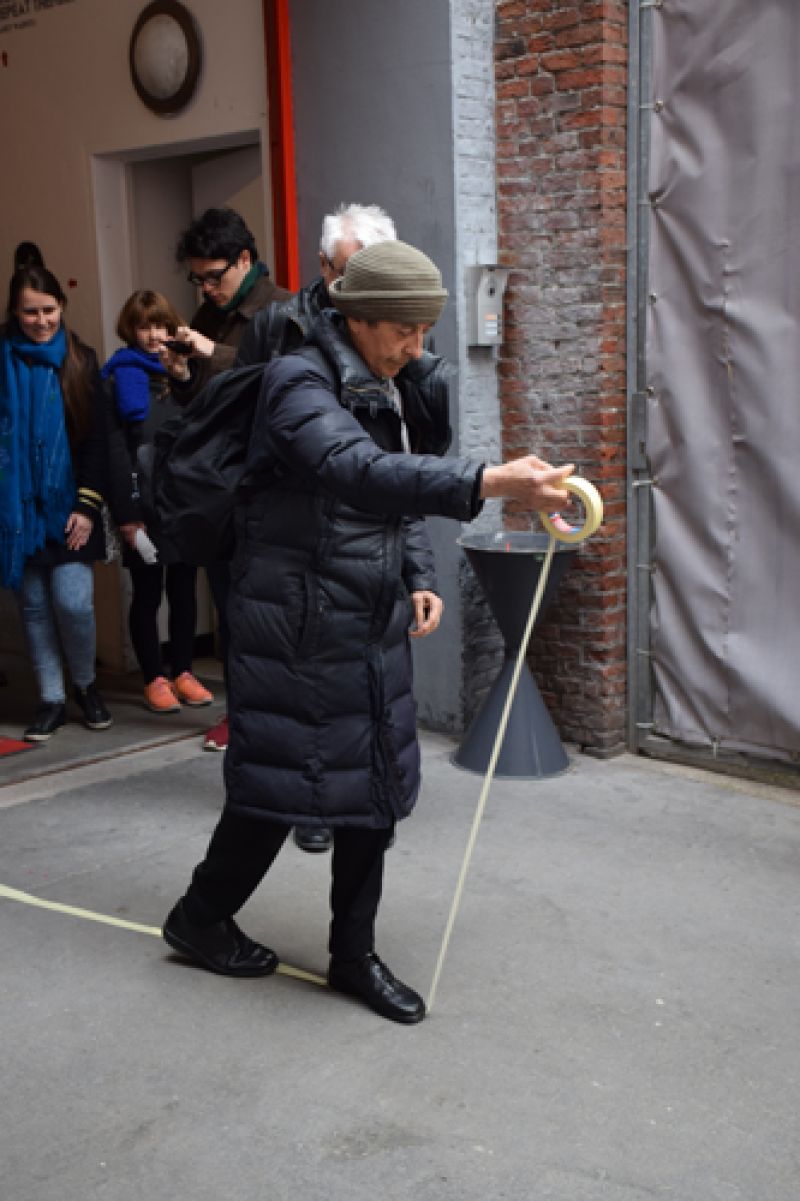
(559, 531)
(593, 508)
(14, 894)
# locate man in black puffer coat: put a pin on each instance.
(283, 327)
(330, 552)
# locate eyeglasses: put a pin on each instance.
(210, 277)
(337, 271)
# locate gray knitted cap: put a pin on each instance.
(390, 281)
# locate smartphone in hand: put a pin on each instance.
(178, 347)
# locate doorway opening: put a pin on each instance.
(143, 200)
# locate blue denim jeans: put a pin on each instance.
(57, 606)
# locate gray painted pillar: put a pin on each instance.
(393, 106)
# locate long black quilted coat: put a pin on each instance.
(330, 542)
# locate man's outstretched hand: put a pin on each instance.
(535, 484)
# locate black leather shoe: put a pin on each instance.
(313, 838)
(222, 948)
(95, 714)
(49, 718)
(371, 980)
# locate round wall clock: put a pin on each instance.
(165, 56)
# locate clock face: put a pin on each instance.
(161, 57)
(165, 56)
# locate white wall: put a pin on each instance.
(66, 96)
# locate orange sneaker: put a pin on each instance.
(159, 696)
(191, 691)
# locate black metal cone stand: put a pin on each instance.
(508, 565)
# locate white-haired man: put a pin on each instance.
(281, 327)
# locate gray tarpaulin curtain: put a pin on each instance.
(723, 363)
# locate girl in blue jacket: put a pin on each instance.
(144, 401)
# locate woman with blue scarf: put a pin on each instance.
(53, 465)
(143, 402)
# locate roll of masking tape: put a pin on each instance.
(592, 502)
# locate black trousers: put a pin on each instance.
(148, 582)
(241, 852)
(219, 579)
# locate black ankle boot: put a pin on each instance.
(95, 714)
(49, 718)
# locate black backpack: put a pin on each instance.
(189, 475)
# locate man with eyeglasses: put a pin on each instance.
(221, 255)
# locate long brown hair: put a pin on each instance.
(75, 373)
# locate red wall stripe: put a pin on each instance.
(281, 139)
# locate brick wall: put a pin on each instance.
(561, 75)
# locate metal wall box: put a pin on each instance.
(485, 284)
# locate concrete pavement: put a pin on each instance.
(616, 1019)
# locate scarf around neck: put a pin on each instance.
(245, 287)
(131, 368)
(37, 487)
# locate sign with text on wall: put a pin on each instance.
(22, 14)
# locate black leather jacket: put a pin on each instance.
(282, 327)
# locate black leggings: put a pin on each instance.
(148, 585)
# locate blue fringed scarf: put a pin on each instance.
(130, 369)
(37, 487)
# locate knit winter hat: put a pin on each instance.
(390, 281)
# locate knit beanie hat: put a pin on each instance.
(390, 281)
